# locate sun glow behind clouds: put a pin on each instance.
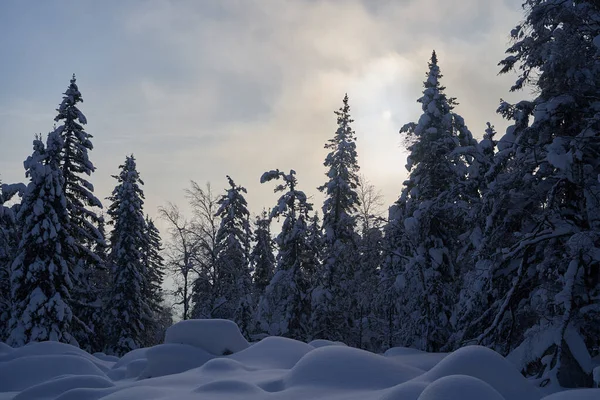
(381, 102)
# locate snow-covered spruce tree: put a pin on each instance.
(153, 294)
(262, 258)
(233, 284)
(387, 305)
(474, 252)
(41, 276)
(126, 306)
(284, 309)
(541, 291)
(433, 207)
(100, 282)
(315, 243)
(83, 219)
(370, 259)
(334, 298)
(9, 240)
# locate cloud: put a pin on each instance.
(198, 90)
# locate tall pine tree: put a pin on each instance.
(334, 300)
(41, 276)
(542, 280)
(285, 307)
(9, 240)
(429, 218)
(262, 258)
(127, 306)
(154, 272)
(83, 219)
(234, 281)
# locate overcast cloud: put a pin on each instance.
(201, 89)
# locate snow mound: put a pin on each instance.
(576, 394)
(415, 358)
(273, 352)
(5, 349)
(170, 358)
(129, 366)
(41, 349)
(126, 393)
(275, 368)
(218, 366)
(85, 394)
(133, 355)
(461, 387)
(52, 348)
(322, 343)
(488, 366)
(216, 336)
(402, 351)
(405, 391)
(105, 357)
(347, 367)
(55, 387)
(230, 389)
(21, 373)
(135, 368)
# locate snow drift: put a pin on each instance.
(210, 359)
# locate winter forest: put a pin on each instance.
(494, 239)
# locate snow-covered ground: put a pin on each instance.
(191, 365)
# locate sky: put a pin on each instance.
(198, 90)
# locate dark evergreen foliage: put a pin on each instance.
(262, 257)
(41, 276)
(285, 307)
(127, 308)
(233, 284)
(84, 221)
(334, 298)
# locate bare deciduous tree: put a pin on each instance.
(180, 253)
(371, 207)
(205, 224)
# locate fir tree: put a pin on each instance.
(541, 281)
(41, 276)
(430, 217)
(9, 240)
(315, 244)
(153, 264)
(483, 172)
(127, 307)
(83, 220)
(366, 280)
(262, 257)
(284, 309)
(334, 299)
(388, 306)
(234, 282)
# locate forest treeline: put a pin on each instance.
(493, 242)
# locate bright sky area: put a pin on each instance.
(201, 89)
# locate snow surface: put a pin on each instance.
(192, 366)
(216, 336)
